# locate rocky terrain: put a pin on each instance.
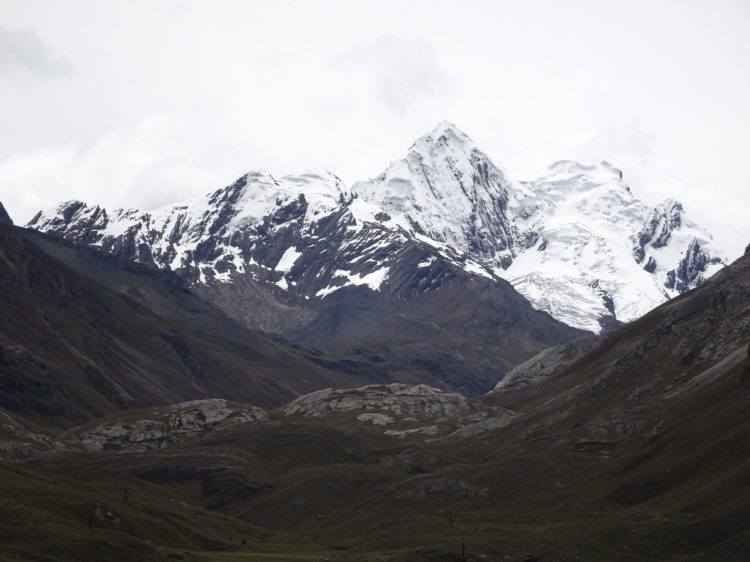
(395, 398)
(161, 427)
(400, 409)
(4, 217)
(636, 441)
(546, 364)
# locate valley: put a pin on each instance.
(601, 459)
(438, 364)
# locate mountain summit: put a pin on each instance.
(4, 216)
(449, 191)
(574, 241)
(593, 252)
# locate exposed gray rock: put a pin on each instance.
(19, 440)
(161, 427)
(713, 372)
(483, 427)
(375, 419)
(424, 430)
(546, 364)
(689, 272)
(657, 230)
(396, 398)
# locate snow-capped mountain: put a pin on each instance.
(600, 253)
(447, 190)
(297, 234)
(575, 241)
(292, 256)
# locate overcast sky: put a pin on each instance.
(140, 103)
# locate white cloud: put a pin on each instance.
(143, 165)
(628, 144)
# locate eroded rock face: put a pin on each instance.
(658, 227)
(400, 399)
(689, 273)
(424, 430)
(375, 419)
(546, 364)
(161, 427)
(18, 440)
(483, 427)
(4, 216)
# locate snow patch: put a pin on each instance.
(373, 280)
(288, 260)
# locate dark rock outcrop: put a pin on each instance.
(657, 229)
(5, 217)
(689, 272)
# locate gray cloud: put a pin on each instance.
(22, 50)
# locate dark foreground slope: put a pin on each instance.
(465, 335)
(72, 349)
(636, 450)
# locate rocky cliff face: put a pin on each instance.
(658, 228)
(692, 267)
(546, 364)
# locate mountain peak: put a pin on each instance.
(4, 216)
(446, 127)
(444, 133)
(447, 189)
(258, 175)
